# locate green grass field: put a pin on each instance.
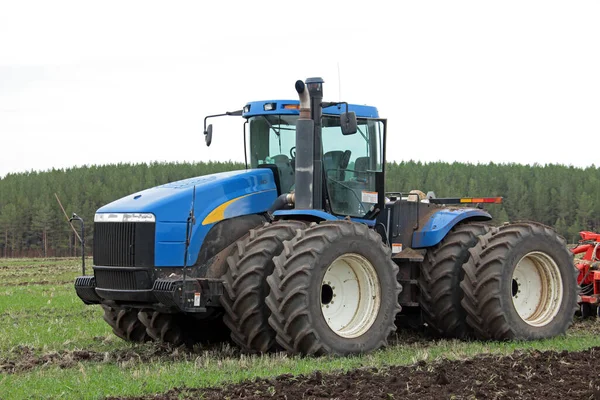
(54, 346)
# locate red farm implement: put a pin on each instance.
(589, 272)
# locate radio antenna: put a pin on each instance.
(339, 83)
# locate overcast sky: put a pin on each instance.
(131, 81)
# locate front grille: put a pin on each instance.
(116, 279)
(124, 244)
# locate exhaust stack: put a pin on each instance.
(309, 180)
(304, 149)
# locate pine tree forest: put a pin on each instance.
(32, 223)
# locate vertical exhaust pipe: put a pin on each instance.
(305, 129)
(309, 170)
(315, 91)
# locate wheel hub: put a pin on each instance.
(536, 289)
(350, 295)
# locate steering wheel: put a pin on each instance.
(293, 152)
(345, 160)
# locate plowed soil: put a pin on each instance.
(23, 358)
(539, 375)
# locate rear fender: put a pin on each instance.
(441, 222)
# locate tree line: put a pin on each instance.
(32, 223)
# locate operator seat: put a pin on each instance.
(361, 165)
(335, 163)
(286, 172)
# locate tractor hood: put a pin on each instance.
(217, 197)
(172, 202)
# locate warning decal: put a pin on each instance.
(369, 197)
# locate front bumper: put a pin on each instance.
(85, 286)
(193, 295)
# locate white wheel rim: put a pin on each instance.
(537, 290)
(350, 295)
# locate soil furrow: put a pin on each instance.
(534, 375)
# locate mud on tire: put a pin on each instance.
(439, 282)
(182, 329)
(125, 324)
(162, 327)
(245, 285)
(520, 283)
(300, 294)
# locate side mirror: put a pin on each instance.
(348, 123)
(208, 135)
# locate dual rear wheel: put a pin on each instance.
(520, 283)
(513, 282)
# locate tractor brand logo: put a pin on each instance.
(124, 217)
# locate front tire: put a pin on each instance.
(125, 324)
(182, 329)
(245, 285)
(334, 290)
(520, 283)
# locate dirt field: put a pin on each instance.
(539, 375)
(53, 346)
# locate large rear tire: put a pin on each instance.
(334, 290)
(520, 283)
(245, 285)
(125, 324)
(439, 282)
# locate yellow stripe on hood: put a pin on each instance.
(218, 214)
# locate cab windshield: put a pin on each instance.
(273, 141)
(350, 162)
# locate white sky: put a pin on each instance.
(131, 81)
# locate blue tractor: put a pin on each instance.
(304, 251)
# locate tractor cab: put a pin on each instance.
(352, 164)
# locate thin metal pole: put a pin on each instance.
(66, 216)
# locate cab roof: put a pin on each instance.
(290, 107)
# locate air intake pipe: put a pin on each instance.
(285, 201)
